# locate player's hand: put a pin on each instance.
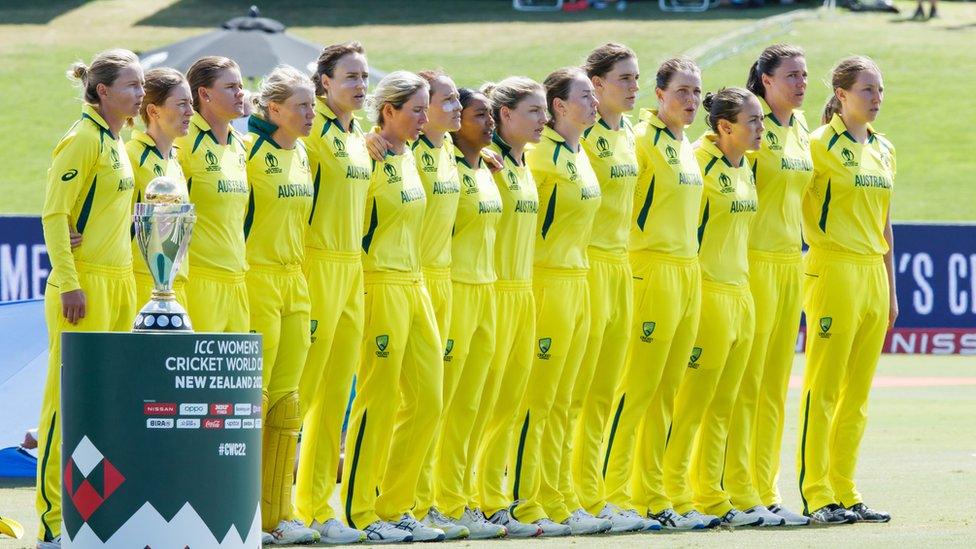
(73, 305)
(493, 159)
(75, 239)
(892, 313)
(377, 146)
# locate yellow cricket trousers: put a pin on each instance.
(217, 301)
(144, 287)
(756, 432)
(845, 298)
(398, 401)
(438, 283)
(667, 304)
(703, 406)
(110, 303)
(611, 311)
(504, 388)
(335, 285)
(469, 349)
(562, 301)
(279, 309)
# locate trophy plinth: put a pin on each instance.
(163, 224)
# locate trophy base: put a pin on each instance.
(162, 316)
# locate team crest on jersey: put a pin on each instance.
(671, 154)
(340, 148)
(272, 162)
(849, 159)
(447, 350)
(804, 142)
(693, 359)
(513, 184)
(603, 146)
(213, 163)
(157, 170)
(428, 161)
(391, 174)
(470, 187)
(646, 330)
(382, 342)
(773, 140)
(114, 155)
(725, 182)
(572, 171)
(544, 345)
(825, 323)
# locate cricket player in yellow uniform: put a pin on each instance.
(519, 110)
(91, 288)
(399, 385)
(569, 195)
(166, 110)
(695, 454)
(213, 160)
(277, 214)
(782, 167)
(667, 298)
(471, 335)
(849, 290)
(610, 145)
(333, 268)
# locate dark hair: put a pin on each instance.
(725, 104)
(466, 94)
(328, 60)
(204, 72)
(508, 93)
(557, 85)
(769, 60)
(602, 59)
(104, 69)
(159, 83)
(844, 76)
(672, 66)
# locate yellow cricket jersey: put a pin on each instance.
(613, 155)
(729, 204)
(340, 176)
(845, 207)
(148, 164)
(782, 168)
(569, 195)
(280, 200)
(478, 212)
(515, 234)
(669, 190)
(395, 207)
(89, 184)
(438, 172)
(216, 177)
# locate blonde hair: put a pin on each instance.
(844, 76)
(278, 86)
(104, 69)
(394, 89)
(508, 93)
(204, 72)
(159, 83)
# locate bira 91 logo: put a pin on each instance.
(272, 162)
(544, 345)
(646, 330)
(513, 184)
(428, 161)
(825, 323)
(382, 342)
(725, 182)
(447, 350)
(213, 163)
(671, 154)
(773, 141)
(603, 146)
(391, 174)
(340, 148)
(849, 159)
(693, 359)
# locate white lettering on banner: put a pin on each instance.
(13, 273)
(38, 273)
(922, 298)
(958, 271)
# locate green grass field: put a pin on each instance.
(918, 461)
(928, 66)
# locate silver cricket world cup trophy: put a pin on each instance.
(163, 223)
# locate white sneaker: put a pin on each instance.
(736, 518)
(291, 532)
(334, 532)
(621, 521)
(515, 528)
(709, 521)
(266, 539)
(582, 523)
(453, 529)
(790, 518)
(53, 544)
(769, 518)
(650, 524)
(551, 528)
(418, 530)
(479, 526)
(381, 531)
(672, 520)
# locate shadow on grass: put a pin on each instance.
(34, 13)
(303, 13)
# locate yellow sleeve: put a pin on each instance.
(74, 160)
